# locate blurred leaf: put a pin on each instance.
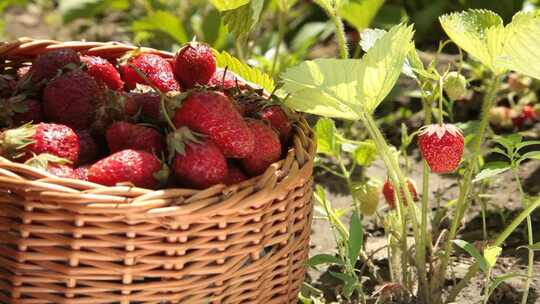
(527, 143)
(366, 153)
(425, 17)
(479, 32)
(492, 169)
(163, 22)
(325, 131)
(75, 9)
(323, 259)
(500, 279)
(253, 75)
(531, 155)
(474, 253)
(242, 20)
(307, 35)
(535, 246)
(491, 253)
(225, 5)
(215, 32)
(349, 281)
(360, 13)
(285, 5)
(348, 88)
(356, 239)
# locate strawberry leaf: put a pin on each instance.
(478, 32)
(225, 5)
(163, 22)
(241, 20)
(348, 88)
(360, 13)
(254, 75)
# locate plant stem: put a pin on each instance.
(282, 16)
(467, 181)
(425, 204)
(340, 35)
(530, 266)
(498, 242)
(393, 165)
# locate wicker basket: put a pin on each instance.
(68, 241)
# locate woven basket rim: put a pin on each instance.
(141, 203)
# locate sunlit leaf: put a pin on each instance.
(225, 5)
(365, 153)
(251, 74)
(478, 32)
(491, 169)
(325, 131)
(480, 259)
(531, 155)
(522, 47)
(491, 253)
(241, 20)
(360, 13)
(348, 88)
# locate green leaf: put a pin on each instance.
(253, 75)
(474, 253)
(527, 144)
(360, 13)
(366, 153)
(522, 47)
(491, 253)
(492, 169)
(356, 239)
(498, 280)
(325, 131)
(479, 32)
(75, 9)
(348, 88)
(163, 22)
(225, 5)
(319, 259)
(349, 281)
(241, 20)
(215, 32)
(535, 246)
(531, 155)
(285, 5)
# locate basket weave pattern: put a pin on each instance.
(68, 241)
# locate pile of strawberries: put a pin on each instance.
(141, 120)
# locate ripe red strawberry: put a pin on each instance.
(48, 65)
(528, 113)
(31, 113)
(194, 64)
(277, 118)
(124, 135)
(212, 113)
(72, 99)
(81, 173)
(267, 148)
(220, 79)
(234, 175)
(197, 163)
(157, 70)
(29, 140)
(102, 70)
(441, 146)
(140, 168)
(389, 193)
(89, 150)
(148, 104)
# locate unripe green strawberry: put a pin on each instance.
(367, 194)
(455, 85)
